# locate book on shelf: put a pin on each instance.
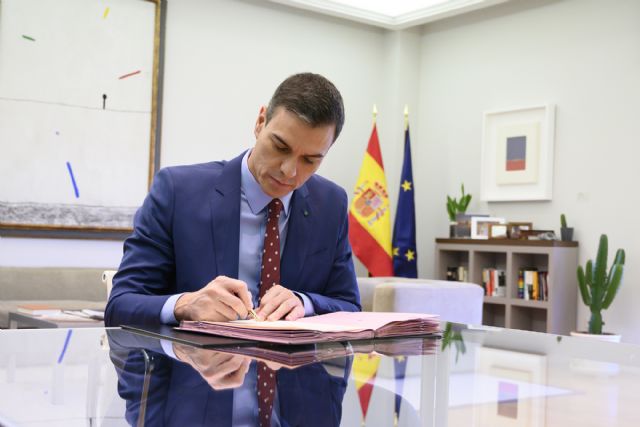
(38, 309)
(494, 282)
(458, 274)
(338, 326)
(533, 284)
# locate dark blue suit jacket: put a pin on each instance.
(187, 233)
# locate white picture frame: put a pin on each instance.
(480, 226)
(517, 154)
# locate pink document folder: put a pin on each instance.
(339, 326)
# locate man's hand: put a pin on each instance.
(221, 300)
(279, 302)
(220, 370)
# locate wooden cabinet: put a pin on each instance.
(556, 314)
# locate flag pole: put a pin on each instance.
(375, 113)
(406, 117)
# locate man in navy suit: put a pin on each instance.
(196, 249)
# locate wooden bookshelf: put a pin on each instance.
(560, 259)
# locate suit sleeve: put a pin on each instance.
(341, 292)
(146, 276)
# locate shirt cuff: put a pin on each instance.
(308, 305)
(166, 314)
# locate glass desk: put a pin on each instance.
(472, 376)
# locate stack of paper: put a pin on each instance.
(339, 326)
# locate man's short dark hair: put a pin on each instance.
(311, 97)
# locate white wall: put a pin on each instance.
(225, 58)
(583, 56)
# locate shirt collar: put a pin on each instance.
(257, 198)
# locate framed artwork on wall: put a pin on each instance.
(517, 154)
(83, 150)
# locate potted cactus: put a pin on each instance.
(454, 208)
(566, 233)
(598, 288)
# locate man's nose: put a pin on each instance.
(288, 167)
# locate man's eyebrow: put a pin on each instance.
(283, 142)
(280, 140)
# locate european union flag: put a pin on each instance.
(405, 256)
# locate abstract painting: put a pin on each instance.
(517, 154)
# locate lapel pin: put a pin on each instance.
(306, 212)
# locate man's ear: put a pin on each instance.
(261, 121)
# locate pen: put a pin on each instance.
(253, 314)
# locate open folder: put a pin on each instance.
(339, 326)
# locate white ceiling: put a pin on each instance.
(391, 14)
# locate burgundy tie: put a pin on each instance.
(269, 276)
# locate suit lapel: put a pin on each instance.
(225, 216)
(299, 230)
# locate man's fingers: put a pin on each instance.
(284, 308)
(279, 302)
(241, 291)
(296, 313)
(235, 304)
(224, 311)
(272, 293)
(270, 301)
(233, 293)
(266, 308)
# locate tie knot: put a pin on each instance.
(274, 207)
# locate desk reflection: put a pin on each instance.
(209, 387)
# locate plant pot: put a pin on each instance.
(566, 234)
(459, 230)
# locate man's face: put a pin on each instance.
(287, 151)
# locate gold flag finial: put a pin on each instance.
(406, 117)
(375, 113)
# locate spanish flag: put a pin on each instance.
(369, 215)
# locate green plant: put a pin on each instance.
(597, 288)
(563, 221)
(455, 207)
